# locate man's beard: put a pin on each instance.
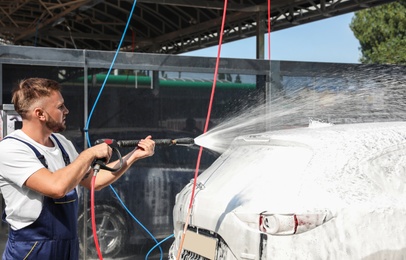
(55, 126)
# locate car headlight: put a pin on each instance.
(289, 224)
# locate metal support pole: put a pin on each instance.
(1, 83)
(85, 117)
(260, 38)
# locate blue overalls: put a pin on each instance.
(53, 236)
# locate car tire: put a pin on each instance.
(111, 232)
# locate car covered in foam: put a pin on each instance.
(333, 192)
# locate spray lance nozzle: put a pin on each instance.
(185, 141)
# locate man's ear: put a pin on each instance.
(39, 112)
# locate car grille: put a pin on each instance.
(187, 255)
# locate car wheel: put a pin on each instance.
(111, 231)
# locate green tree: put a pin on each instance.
(381, 32)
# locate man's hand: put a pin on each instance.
(102, 151)
(146, 148)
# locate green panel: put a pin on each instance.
(170, 83)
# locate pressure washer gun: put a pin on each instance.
(101, 163)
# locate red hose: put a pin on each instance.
(269, 29)
(93, 217)
(204, 131)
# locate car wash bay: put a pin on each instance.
(157, 94)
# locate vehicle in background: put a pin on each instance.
(147, 190)
(328, 192)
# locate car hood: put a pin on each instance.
(302, 170)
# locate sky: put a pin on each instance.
(327, 40)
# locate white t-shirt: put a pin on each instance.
(18, 162)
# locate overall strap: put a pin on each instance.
(40, 157)
(65, 155)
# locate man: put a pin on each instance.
(39, 172)
(191, 127)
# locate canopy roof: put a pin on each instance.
(157, 26)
